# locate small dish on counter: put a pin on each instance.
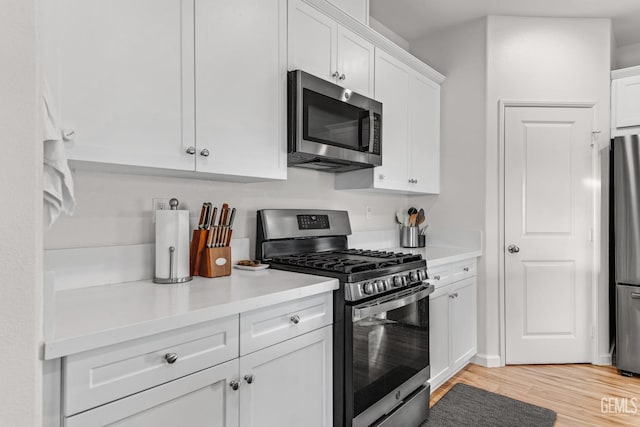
(250, 265)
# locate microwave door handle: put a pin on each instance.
(373, 309)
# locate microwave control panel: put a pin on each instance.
(313, 222)
(376, 133)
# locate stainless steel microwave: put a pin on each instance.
(331, 128)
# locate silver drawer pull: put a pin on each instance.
(249, 378)
(436, 277)
(295, 319)
(451, 296)
(635, 295)
(171, 358)
(466, 269)
(234, 385)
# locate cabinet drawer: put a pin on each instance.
(271, 325)
(440, 275)
(463, 270)
(105, 374)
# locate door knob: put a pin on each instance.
(513, 249)
(204, 152)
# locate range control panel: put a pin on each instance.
(313, 222)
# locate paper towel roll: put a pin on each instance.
(172, 230)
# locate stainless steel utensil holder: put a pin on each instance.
(409, 237)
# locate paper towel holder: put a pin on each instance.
(171, 279)
(173, 203)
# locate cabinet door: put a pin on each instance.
(439, 337)
(312, 41)
(240, 63)
(291, 383)
(424, 135)
(201, 399)
(121, 77)
(463, 321)
(392, 89)
(627, 101)
(355, 62)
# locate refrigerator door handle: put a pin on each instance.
(635, 295)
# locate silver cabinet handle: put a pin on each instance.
(451, 296)
(342, 77)
(513, 249)
(436, 277)
(456, 295)
(234, 385)
(381, 177)
(415, 181)
(249, 378)
(466, 269)
(191, 150)
(295, 319)
(335, 75)
(68, 134)
(171, 358)
(204, 152)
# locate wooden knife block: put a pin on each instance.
(216, 262)
(196, 250)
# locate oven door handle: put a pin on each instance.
(372, 122)
(373, 308)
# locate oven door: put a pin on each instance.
(390, 352)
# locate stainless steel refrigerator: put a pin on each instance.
(626, 244)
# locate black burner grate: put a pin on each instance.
(348, 261)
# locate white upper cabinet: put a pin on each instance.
(116, 71)
(240, 86)
(356, 58)
(322, 47)
(188, 85)
(392, 89)
(410, 132)
(625, 105)
(424, 135)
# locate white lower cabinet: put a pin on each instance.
(201, 399)
(452, 324)
(290, 383)
(165, 381)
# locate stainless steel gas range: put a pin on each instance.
(381, 315)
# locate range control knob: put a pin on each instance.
(422, 274)
(414, 276)
(405, 280)
(397, 281)
(387, 284)
(368, 288)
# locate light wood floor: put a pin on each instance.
(573, 391)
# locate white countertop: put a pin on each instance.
(441, 255)
(97, 316)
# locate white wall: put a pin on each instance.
(388, 33)
(537, 59)
(627, 56)
(460, 54)
(115, 209)
(20, 219)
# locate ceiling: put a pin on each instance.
(414, 19)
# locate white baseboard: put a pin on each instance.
(604, 360)
(487, 360)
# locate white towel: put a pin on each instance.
(57, 181)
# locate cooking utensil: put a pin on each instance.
(421, 217)
(400, 217)
(412, 211)
(413, 220)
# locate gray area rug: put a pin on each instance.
(465, 405)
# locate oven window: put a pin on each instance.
(332, 122)
(388, 349)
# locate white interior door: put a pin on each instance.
(548, 217)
